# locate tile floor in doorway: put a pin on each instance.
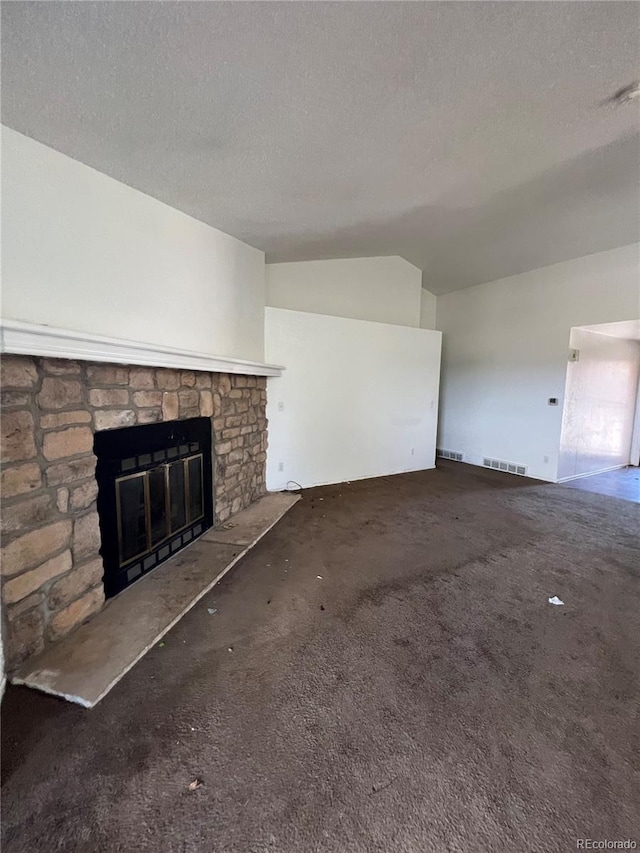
(623, 483)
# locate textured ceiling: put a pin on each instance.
(470, 138)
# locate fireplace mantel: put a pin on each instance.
(20, 338)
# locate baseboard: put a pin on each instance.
(591, 473)
(283, 488)
(476, 462)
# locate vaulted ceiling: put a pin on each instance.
(474, 139)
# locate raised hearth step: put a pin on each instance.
(86, 664)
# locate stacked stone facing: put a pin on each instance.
(51, 566)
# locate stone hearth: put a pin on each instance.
(51, 565)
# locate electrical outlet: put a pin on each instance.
(280, 466)
(545, 459)
(280, 406)
(413, 450)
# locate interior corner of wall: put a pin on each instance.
(428, 307)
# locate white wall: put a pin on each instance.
(356, 397)
(634, 455)
(428, 304)
(384, 290)
(505, 351)
(599, 406)
(84, 252)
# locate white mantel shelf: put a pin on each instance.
(21, 338)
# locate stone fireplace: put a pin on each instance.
(61, 421)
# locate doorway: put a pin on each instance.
(600, 422)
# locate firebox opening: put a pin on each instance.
(155, 495)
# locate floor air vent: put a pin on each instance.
(509, 467)
(449, 454)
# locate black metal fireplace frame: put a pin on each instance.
(134, 451)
